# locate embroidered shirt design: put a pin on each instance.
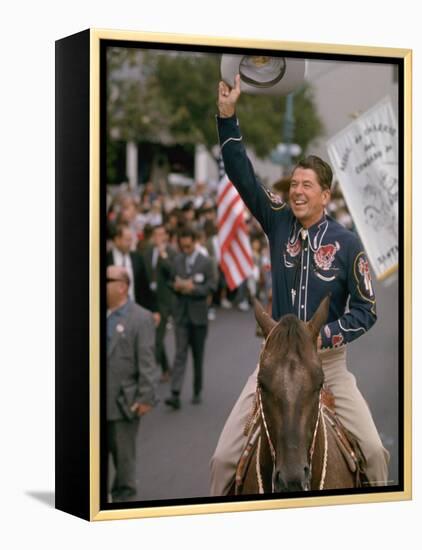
(363, 267)
(293, 249)
(362, 275)
(276, 201)
(337, 340)
(325, 254)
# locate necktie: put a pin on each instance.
(188, 266)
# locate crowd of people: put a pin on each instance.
(177, 208)
(173, 207)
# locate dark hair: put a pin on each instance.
(210, 228)
(282, 185)
(159, 226)
(187, 231)
(171, 233)
(187, 206)
(175, 212)
(147, 232)
(321, 168)
(119, 228)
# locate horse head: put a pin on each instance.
(290, 379)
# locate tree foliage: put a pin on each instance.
(170, 97)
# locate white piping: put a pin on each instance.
(306, 284)
(350, 329)
(316, 237)
(300, 284)
(230, 139)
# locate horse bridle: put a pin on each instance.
(320, 418)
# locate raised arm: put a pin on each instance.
(263, 204)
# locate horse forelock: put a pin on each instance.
(291, 338)
(290, 346)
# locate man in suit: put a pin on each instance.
(121, 255)
(193, 280)
(131, 379)
(158, 252)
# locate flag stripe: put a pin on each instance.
(224, 188)
(231, 213)
(244, 246)
(227, 200)
(235, 249)
(233, 275)
(233, 253)
(228, 233)
(241, 261)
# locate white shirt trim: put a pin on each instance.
(230, 139)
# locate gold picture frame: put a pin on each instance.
(80, 143)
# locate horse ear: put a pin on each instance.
(262, 318)
(319, 318)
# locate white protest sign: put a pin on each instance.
(365, 160)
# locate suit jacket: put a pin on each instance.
(131, 368)
(143, 294)
(163, 293)
(193, 307)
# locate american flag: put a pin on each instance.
(235, 248)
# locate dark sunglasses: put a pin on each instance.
(116, 281)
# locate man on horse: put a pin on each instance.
(311, 256)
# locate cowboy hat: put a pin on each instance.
(261, 74)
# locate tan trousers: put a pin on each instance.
(351, 409)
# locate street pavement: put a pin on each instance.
(175, 447)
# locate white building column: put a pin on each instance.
(201, 163)
(132, 163)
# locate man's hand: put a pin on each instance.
(185, 286)
(189, 286)
(227, 98)
(140, 408)
(178, 284)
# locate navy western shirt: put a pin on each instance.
(306, 264)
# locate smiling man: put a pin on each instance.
(311, 256)
(308, 197)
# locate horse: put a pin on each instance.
(295, 444)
